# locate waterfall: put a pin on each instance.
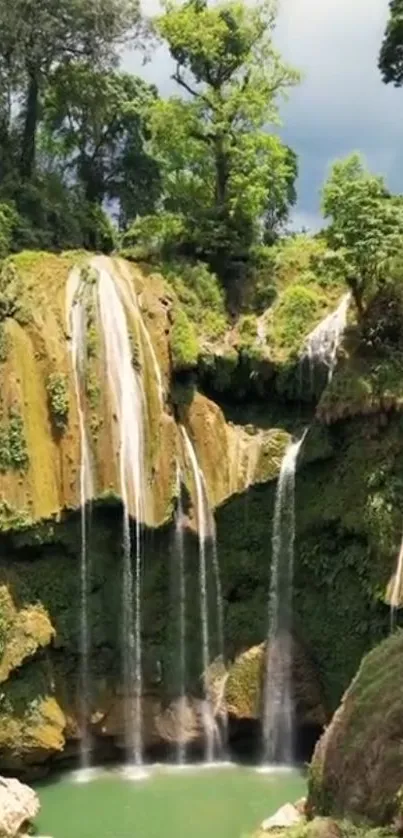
(202, 521)
(131, 301)
(322, 343)
(180, 559)
(278, 707)
(128, 397)
(76, 320)
(397, 587)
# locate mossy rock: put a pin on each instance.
(22, 632)
(244, 686)
(357, 767)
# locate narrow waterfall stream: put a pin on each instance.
(202, 522)
(323, 342)
(128, 400)
(76, 320)
(397, 588)
(278, 721)
(180, 560)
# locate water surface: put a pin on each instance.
(227, 802)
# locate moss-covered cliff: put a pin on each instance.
(241, 392)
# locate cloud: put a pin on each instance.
(341, 105)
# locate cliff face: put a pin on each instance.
(240, 393)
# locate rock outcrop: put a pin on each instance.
(357, 767)
(19, 806)
(244, 687)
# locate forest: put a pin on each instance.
(93, 157)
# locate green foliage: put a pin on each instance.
(183, 342)
(94, 124)
(297, 311)
(13, 447)
(247, 328)
(154, 235)
(221, 170)
(8, 221)
(366, 228)
(200, 296)
(391, 54)
(58, 398)
(44, 35)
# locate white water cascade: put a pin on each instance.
(202, 523)
(322, 343)
(76, 320)
(180, 559)
(278, 722)
(395, 599)
(128, 397)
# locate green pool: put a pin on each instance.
(222, 802)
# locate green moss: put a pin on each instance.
(183, 342)
(12, 519)
(367, 726)
(4, 344)
(58, 399)
(13, 448)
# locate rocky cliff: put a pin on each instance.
(241, 390)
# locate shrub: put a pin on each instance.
(58, 398)
(184, 345)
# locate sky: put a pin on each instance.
(341, 104)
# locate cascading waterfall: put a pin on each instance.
(131, 301)
(180, 558)
(323, 342)
(202, 521)
(278, 707)
(76, 319)
(128, 398)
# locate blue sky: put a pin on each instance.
(341, 105)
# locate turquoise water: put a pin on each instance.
(226, 802)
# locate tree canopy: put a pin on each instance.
(391, 54)
(366, 227)
(222, 171)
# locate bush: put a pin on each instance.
(58, 397)
(154, 235)
(8, 221)
(297, 312)
(184, 345)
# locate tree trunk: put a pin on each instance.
(357, 297)
(221, 166)
(28, 149)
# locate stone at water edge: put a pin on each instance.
(287, 815)
(19, 806)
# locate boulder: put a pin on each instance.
(288, 815)
(19, 806)
(357, 768)
(244, 686)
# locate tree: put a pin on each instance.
(391, 55)
(220, 167)
(282, 195)
(94, 131)
(366, 227)
(39, 35)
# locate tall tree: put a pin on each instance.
(391, 54)
(219, 163)
(39, 35)
(94, 130)
(366, 227)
